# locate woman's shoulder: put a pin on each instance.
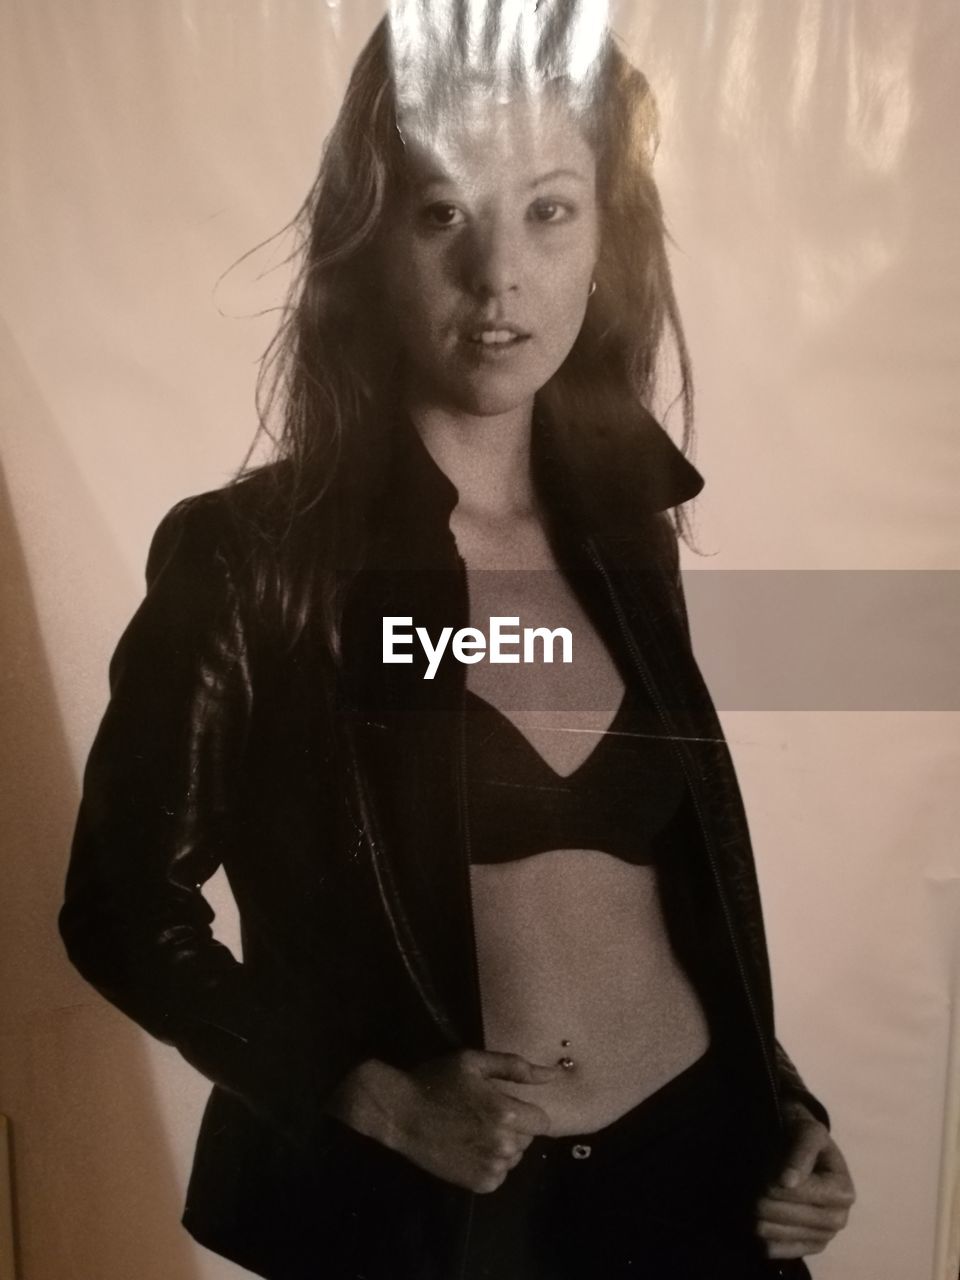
(225, 555)
(218, 525)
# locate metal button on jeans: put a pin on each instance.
(580, 1151)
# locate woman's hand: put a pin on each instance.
(810, 1203)
(454, 1116)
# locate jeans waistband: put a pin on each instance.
(699, 1091)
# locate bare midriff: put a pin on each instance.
(574, 957)
(575, 964)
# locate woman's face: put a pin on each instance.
(489, 254)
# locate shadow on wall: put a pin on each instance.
(96, 1194)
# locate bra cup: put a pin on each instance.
(615, 801)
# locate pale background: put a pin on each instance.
(809, 171)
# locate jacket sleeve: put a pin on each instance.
(154, 824)
(792, 1088)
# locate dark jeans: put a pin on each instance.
(666, 1192)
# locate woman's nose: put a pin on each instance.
(494, 260)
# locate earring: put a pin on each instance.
(593, 288)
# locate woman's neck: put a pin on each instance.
(486, 458)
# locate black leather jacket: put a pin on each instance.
(332, 796)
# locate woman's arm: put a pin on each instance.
(155, 819)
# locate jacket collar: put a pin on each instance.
(605, 490)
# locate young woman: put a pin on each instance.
(504, 1006)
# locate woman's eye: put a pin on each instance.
(551, 210)
(441, 215)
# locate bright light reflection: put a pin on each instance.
(440, 46)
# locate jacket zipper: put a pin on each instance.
(464, 819)
(398, 924)
(704, 829)
(466, 853)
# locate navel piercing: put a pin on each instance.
(567, 1063)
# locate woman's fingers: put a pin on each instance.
(512, 1114)
(522, 1140)
(805, 1220)
(783, 1249)
(501, 1150)
(511, 1066)
(504, 1143)
(828, 1190)
(459, 1121)
(829, 1186)
(523, 1118)
(800, 1219)
(804, 1217)
(822, 1222)
(818, 1206)
(806, 1232)
(811, 1215)
(794, 1235)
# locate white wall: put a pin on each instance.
(808, 171)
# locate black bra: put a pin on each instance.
(616, 801)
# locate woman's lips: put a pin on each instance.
(482, 353)
(495, 340)
(498, 336)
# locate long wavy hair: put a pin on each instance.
(324, 390)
